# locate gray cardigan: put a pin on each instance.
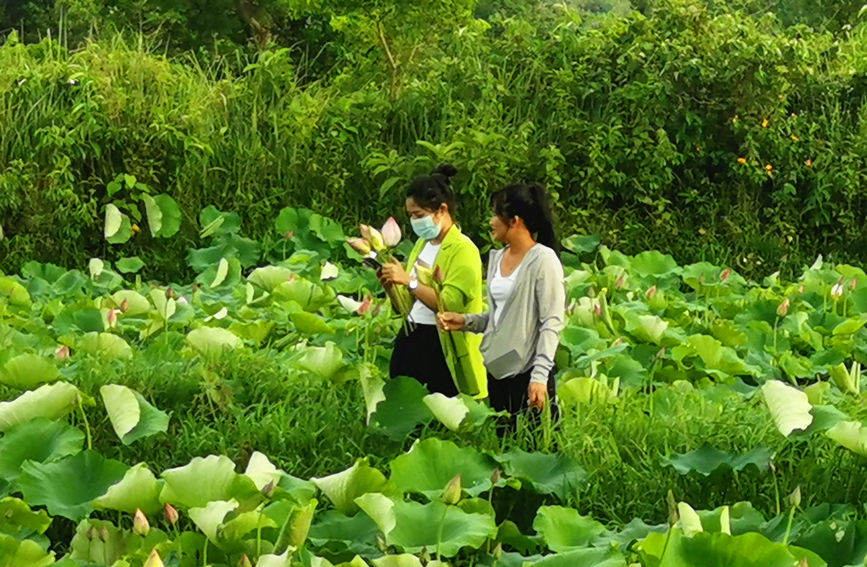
(528, 333)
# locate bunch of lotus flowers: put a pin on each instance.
(377, 245)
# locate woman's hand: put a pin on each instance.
(393, 273)
(537, 395)
(451, 321)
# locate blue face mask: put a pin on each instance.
(425, 227)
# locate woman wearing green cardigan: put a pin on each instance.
(447, 363)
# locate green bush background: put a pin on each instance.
(635, 116)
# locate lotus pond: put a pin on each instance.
(245, 418)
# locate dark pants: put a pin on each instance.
(418, 354)
(510, 395)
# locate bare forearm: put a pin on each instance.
(426, 295)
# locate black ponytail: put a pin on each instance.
(530, 202)
(431, 191)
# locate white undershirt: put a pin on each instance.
(421, 314)
(501, 288)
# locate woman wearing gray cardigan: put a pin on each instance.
(527, 301)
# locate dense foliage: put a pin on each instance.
(702, 130)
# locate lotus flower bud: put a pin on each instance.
(170, 293)
(124, 306)
(621, 281)
(154, 560)
(795, 497)
(853, 284)
(103, 533)
(801, 288)
(182, 299)
(365, 305)
(349, 304)
(783, 308)
(112, 317)
(62, 352)
(391, 233)
(725, 275)
(245, 561)
(171, 514)
(360, 245)
(268, 489)
(837, 291)
(496, 476)
(140, 525)
(91, 533)
(597, 308)
(373, 237)
(651, 292)
(452, 492)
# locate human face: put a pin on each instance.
(499, 228)
(425, 223)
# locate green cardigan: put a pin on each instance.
(461, 265)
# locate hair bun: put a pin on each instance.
(447, 170)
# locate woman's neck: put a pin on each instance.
(447, 226)
(521, 242)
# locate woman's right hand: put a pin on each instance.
(451, 321)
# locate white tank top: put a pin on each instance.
(501, 288)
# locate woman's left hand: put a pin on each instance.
(537, 394)
(393, 273)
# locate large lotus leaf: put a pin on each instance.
(272, 560)
(849, 326)
(324, 361)
(204, 480)
(131, 416)
(212, 340)
(16, 516)
(105, 345)
(789, 406)
(210, 517)
(269, 277)
(851, 435)
(27, 371)
(129, 265)
(357, 533)
(646, 328)
(706, 460)
(138, 489)
(51, 401)
(344, 487)
(402, 560)
(169, 216)
(449, 411)
(722, 550)
(403, 408)
(310, 324)
(15, 293)
(372, 387)
(546, 474)
(14, 553)
(413, 527)
(262, 471)
(68, 487)
(431, 464)
(602, 557)
(40, 440)
(654, 263)
(136, 303)
(583, 390)
(838, 543)
(564, 529)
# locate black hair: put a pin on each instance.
(431, 191)
(530, 202)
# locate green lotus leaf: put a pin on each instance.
(344, 487)
(269, 277)
(27, 371)
(51, 401)
(545, 474)
(15, 293)
(14, 553)
(402, 560)
(722, 550)
(137, 304)
(654, 263)
(98, 542)
(16, 516)
(105, 345)
(138, 489)
(310, 324)
(131, 416)
(39, 440)
(211, 341)
(210, 517)
(431, 464)
(449, 411)
(69, 486)
(403, 408)
(601, 557)
(262, 471)
(324, 361)
(789, 407)
(707, 460)
(204, 480)
(838, 542)
(166, 209)
(564, 529)
(435, 527)
(357, 533)
(129, 265)
(851, 435)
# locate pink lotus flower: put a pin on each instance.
(124, 306)
(651, 293)
(112, 317)
(140, 525)
(621, 281)
(725, 275)
(365, 305)
(62, 352)
(837, 291)
(360, 245)
(373, 237)
(171, 513)
(391, 233)
(783, 308)
(598, 310)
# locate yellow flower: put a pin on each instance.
(135, 228)
(742, 160)
(765, 123)
(769, 168)
(795, 138)
(736, 118)
(809, 163)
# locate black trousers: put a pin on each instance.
(418, 354)
(510, 394)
